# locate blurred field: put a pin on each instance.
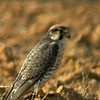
(24, 22)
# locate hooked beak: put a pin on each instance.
(67, 33)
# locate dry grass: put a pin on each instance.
(24, 23)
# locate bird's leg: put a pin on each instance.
(35, 92)
(33, 95)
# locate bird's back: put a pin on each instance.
(39, 61)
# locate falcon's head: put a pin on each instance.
(58, 32)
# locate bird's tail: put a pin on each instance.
(14, 94)
(9, 96)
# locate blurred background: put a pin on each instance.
(24, 22)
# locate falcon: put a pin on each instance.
(41, 62)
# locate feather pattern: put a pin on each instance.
(40, 64)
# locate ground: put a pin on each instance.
(24, 22)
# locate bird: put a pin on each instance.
(41, 62)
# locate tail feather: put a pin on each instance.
(15, 94)
(8, 96)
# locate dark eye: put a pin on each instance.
(61, 31)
